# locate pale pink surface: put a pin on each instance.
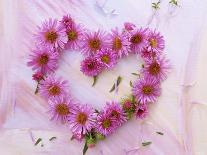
(180, 113)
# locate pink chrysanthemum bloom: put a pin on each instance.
(53, 87)
(107, 57)
(146, 90)
(141, 111)
(44, 60)
(116, 112)
(128, 105)
(94, 41)
(105, 124)
(129, 26)
(138, 40)
(38, 76)
(75, 36)
(61, 108)
(82, 119)
(51, 34)
(67, 21)
(156, 41)
(119, 43)
(91, 66)
(148, 54)
(157, 68)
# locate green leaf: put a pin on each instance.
(133, 99)
(52, 138)
(99, 136)
(112, 88)
(130, 83)
(38, 141)
(129, 115)
(85, 148)
(135, 74)
(37, 88)
(94, 80)
(118, 81)
(175, 2)
(146, 143)
(156, 5)
(160, 133)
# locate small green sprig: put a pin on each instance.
(160, 133)
(94, 80)
(135, 74)
(38, 141)
(174, 2)
(146, 143)
(156, 5)
(118, 81)
(91, 139)
(128, 104)
(52, 138)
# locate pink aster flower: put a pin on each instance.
(157, 68)
(107, 57)
(119, 43)
(141, 111)
(75, 36)
(94, 41)
(82, 119)
(138, 40)
(43, 60)
(38, 76)
(146, 90)
(67, 21)
(156, 41)
(53, 87)
(91, 66)
(105, 124)
(61, 108)
(129, 26)
(51, 34)
(116, 112)
(148, 54)
(128, 105)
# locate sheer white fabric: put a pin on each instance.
(180, 113)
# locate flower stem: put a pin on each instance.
(37, 88)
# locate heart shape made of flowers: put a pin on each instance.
(101, 52)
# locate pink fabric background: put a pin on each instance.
(180, 113)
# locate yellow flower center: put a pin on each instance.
(105, 59)
(117, 44)
(43, 59)
(62, 109)
(90, 66)
(147, 90)
(136, 39)
(72, 35)
(153, 43)
(81, 118)
(115, 114)
(54, 90)
(94, 44)
(106, 123)
(51, 36)
(154, 68)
